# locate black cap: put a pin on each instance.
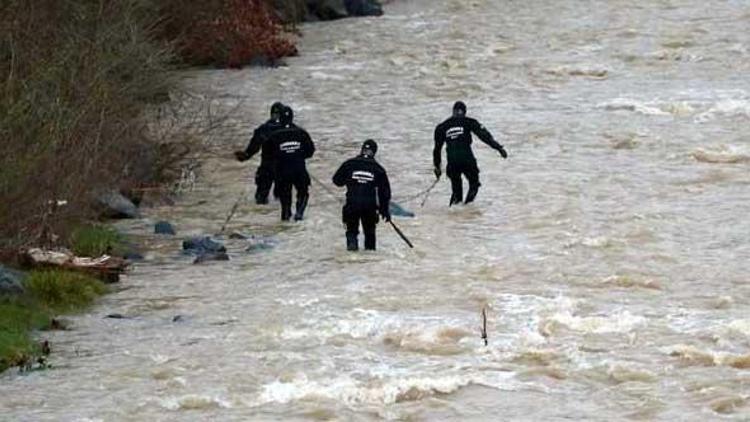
(369, 148)
(287, 115)
(277, 108)
(459, 108)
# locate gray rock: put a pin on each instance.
(198, 245)
(11, 282)
(211, 256)
(164, 227)
(363, 7)
(327, 9)
(115, 205)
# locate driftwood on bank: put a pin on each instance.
(106, 268)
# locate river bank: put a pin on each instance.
(86, 145)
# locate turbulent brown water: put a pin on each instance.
(611, 248)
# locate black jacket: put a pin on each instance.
(456, 133)
(260, 136)
(366, 182)
(290, 147)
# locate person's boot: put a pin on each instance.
(351, 242)
(473, 190)
(300, 206)
(286, 213)
(455, 199)
(261, 200)
(370, 242)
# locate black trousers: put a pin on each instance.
(300, 180)
(264, 179)
(468, 169)
(353, 217)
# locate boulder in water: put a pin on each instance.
(115, 205)
(11, 282)
(202, 244)
(398, 211)
(327, 9)
(164, 227)
(205, 249)
(363, 7)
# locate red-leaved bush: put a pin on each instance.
(228, 33)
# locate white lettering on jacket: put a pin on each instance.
(290, 147)
(454, 132)
(363, 176)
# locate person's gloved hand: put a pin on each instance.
(241, 156)
(503, 152)
(385, 215)
(438, 172)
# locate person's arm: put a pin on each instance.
(384, 196)
(486, 137)
(342, 175)
(256, 142)
(308, 145)
(437, 152)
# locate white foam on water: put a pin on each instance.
(631, 282)
(739, 326)
(622, 322)
(194, 402)
(354, 393)
(726, 108)
(591, 71)
(693, 355)
(723, 154)
(625, 104)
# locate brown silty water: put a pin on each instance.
(610, 249)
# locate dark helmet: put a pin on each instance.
(276, 109)
(459, 108)
(287, 115)
(369, 148)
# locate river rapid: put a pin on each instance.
(610, 250)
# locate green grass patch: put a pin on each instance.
(94, 241)
(63, 291)
(48, 293)
(18, 318)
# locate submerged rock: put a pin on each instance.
(211, 256)
(11, 281)
(115, 205)
(205, 249)
(256, 244)
(202, 244)
(164, 227)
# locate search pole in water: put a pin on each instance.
(401, 234)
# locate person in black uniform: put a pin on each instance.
(367, 193)
(456, 134)
(264, 176)
(291, 146)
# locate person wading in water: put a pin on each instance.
(291, 146)
(367, 193)
(455, 133)
(265, 175)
